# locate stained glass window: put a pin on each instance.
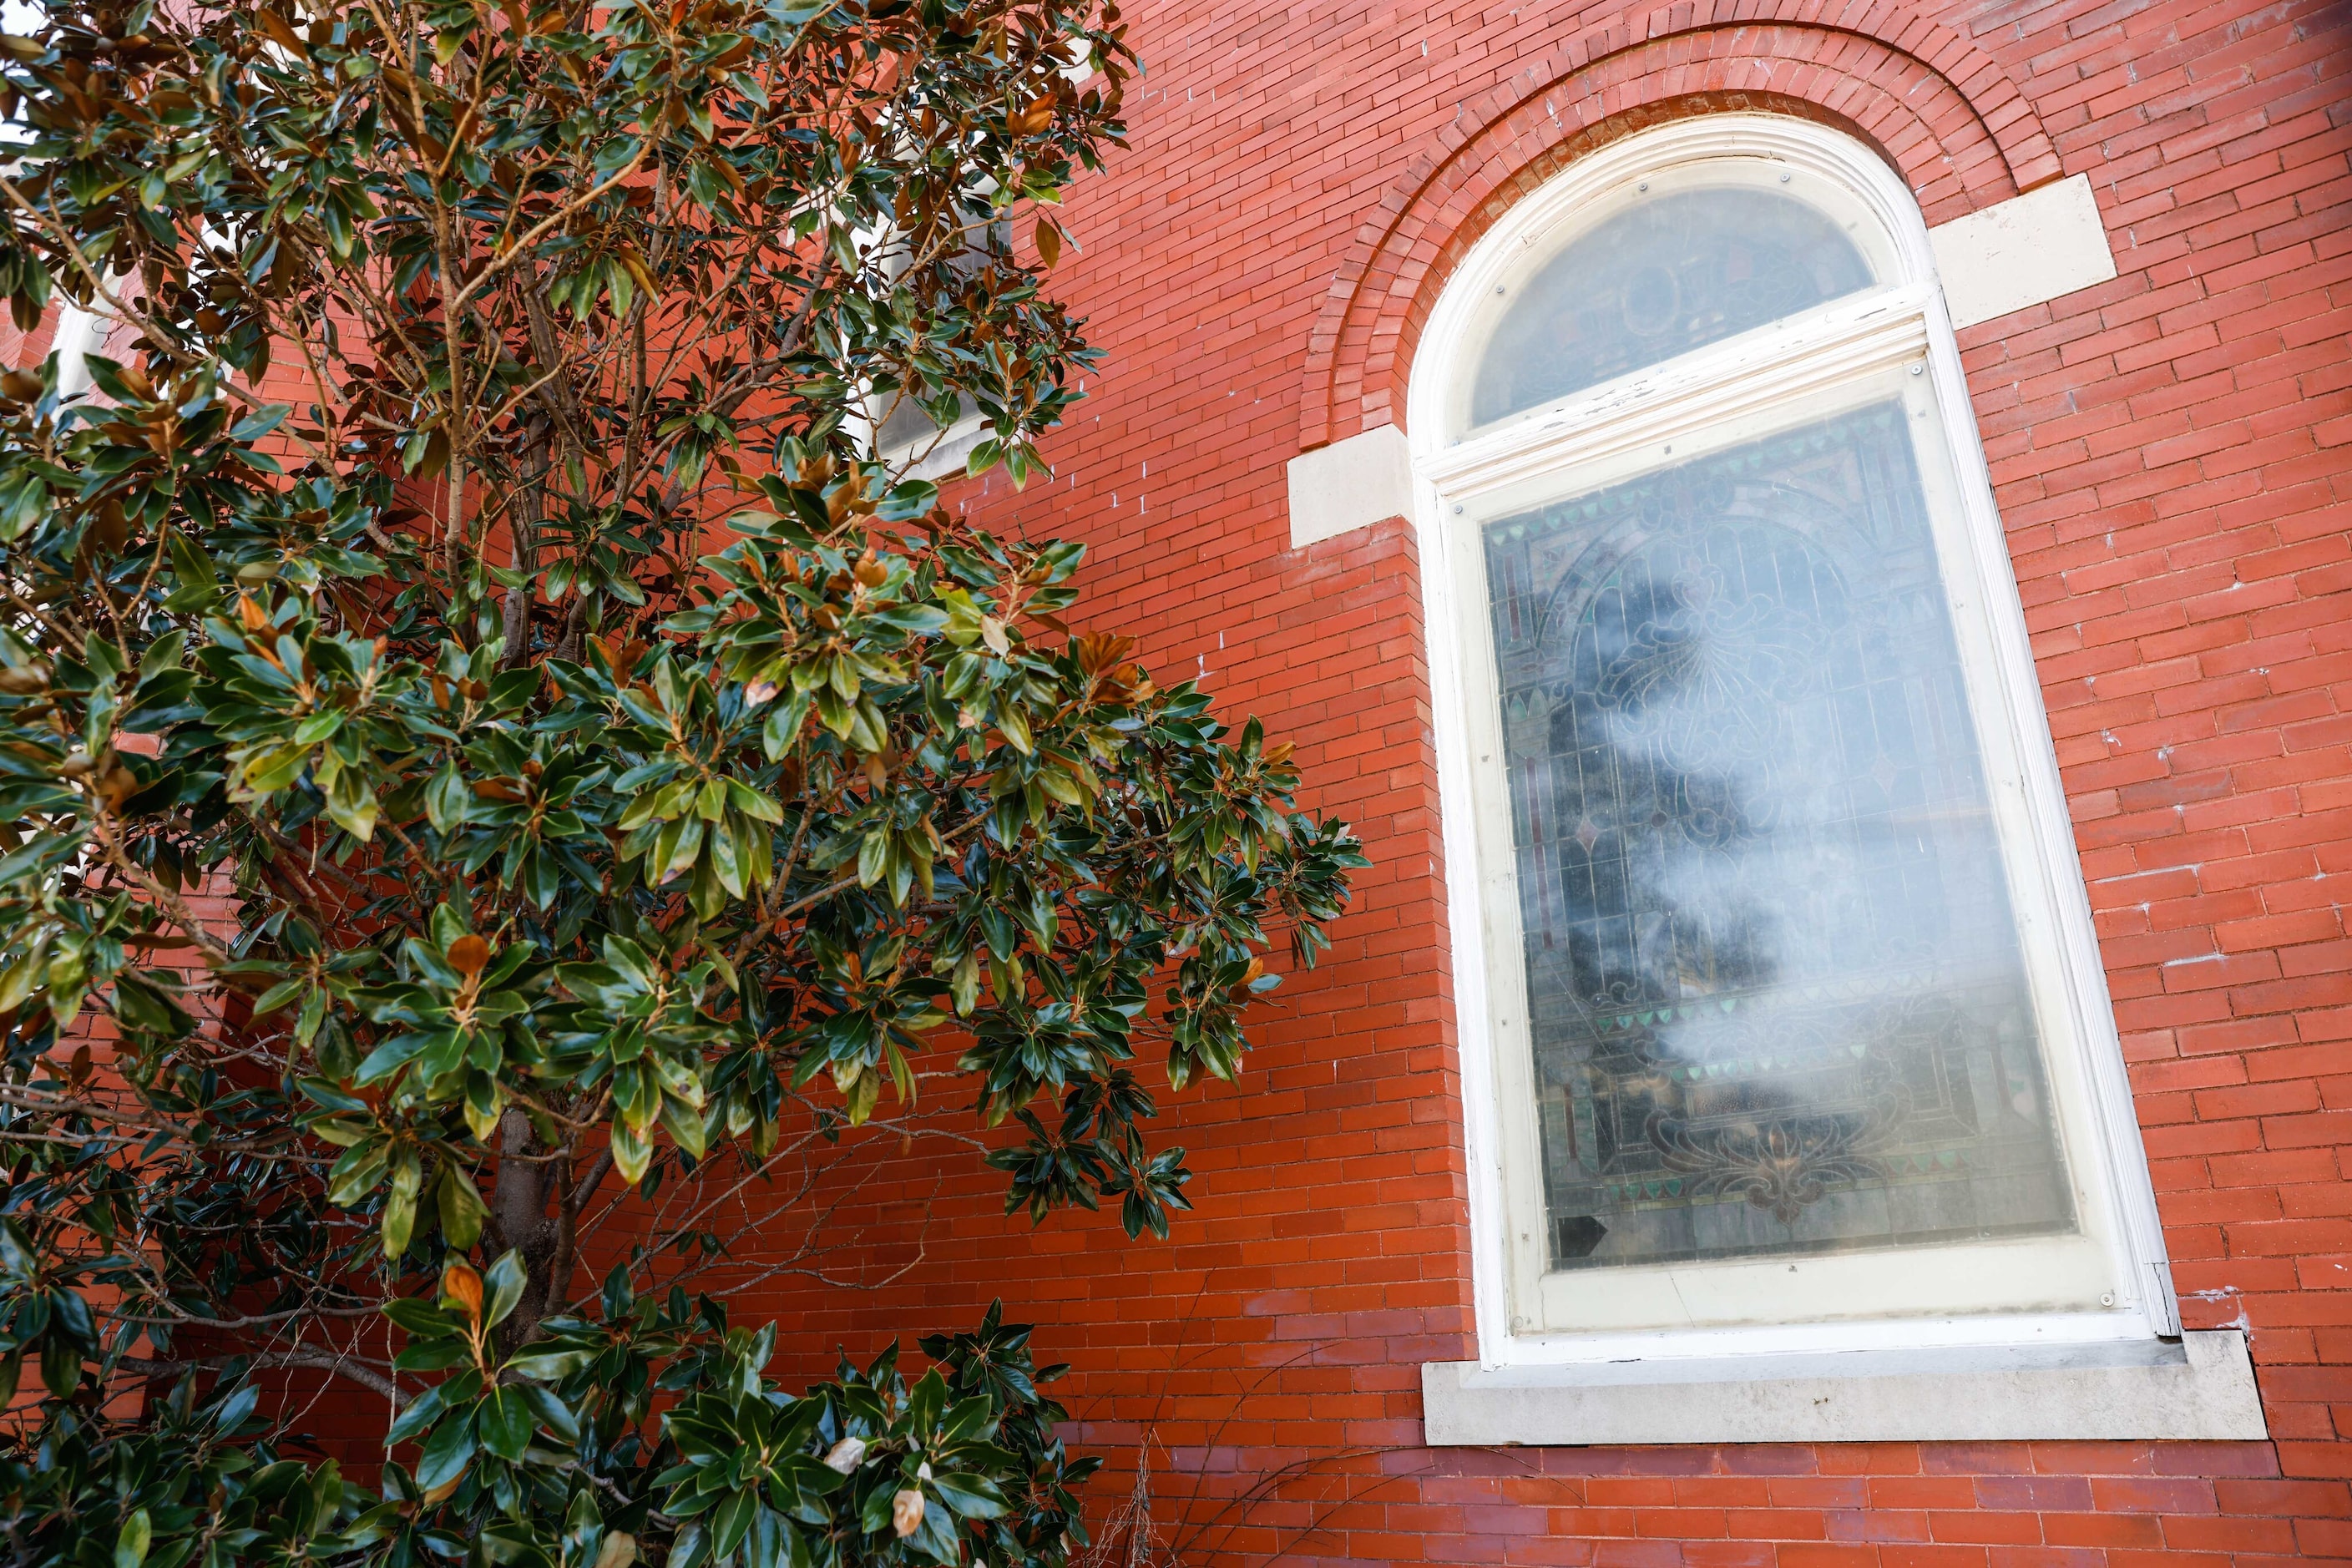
(1672, 275)
(1776, 994)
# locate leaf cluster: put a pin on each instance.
(503, 753)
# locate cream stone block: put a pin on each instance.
(2022, 251)
(2198, 1387)
(1350, 484)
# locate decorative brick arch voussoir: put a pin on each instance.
(1936, 107)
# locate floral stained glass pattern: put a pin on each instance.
(1776, 994)
(1672, 275)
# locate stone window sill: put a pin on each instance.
(2197, 1387)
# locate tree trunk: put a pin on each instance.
(522, 522)
(519, 1206)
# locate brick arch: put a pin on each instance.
(1936, 107)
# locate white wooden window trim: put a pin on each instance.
(944, 453)
(1901, 324)
(938, 455)
(2080, 1267)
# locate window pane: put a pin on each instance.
(1775, 988)
(1670, 276)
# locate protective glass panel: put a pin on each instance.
(1775, 990)
(1672, 275)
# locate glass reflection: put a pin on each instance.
(1775, 988)
(1670, 276)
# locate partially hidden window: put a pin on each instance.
(915, 426)
(1785, 1008)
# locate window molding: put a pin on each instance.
(1902, 320)
(942, 453)
(1880, 330)
(2200, 1387)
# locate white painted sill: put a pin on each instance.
(2197, 1387)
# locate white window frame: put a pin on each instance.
(941, 455)
(1891, 328)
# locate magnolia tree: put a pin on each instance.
(491, 742)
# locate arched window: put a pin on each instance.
(1673, 273)
(1781, 1010)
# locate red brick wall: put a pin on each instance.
(2169, 451)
